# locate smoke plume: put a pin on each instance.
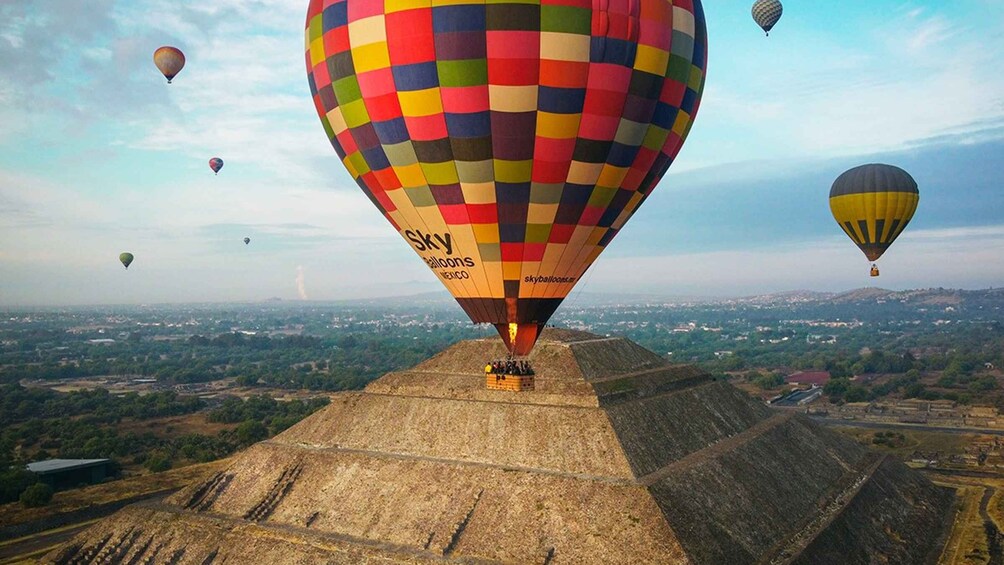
(301, 287)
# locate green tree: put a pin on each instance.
(13, 482)
(251, 431)
(158, 462)
(38, 494)
(837, 388)
(856, 393)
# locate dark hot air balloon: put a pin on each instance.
(170, 61)
(216, 164)
(507, 143)
(873, 204)
(247, 240)
(126, 259)
(766, 13)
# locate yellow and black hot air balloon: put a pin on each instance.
(873, 203)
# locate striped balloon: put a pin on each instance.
(509, 141)
(873, 204)
(766, 13)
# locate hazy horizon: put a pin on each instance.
(443, 297)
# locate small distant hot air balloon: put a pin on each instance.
(507, 155)
(170, 61)
(873, 204)
(216, 164)
(126, 259)
(766, 13)
(247, 240)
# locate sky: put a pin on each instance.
(98, 155)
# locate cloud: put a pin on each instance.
(956, 258)
(849, 81)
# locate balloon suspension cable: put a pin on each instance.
(582, 287)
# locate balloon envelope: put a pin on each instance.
(873, 204)
(216, 164)
(766, 14)
(507, 142)
(126, 259)
(170, 61)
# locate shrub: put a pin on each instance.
(38, 494)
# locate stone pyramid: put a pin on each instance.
(615, 457)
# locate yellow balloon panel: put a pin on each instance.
(874, 219)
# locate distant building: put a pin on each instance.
(69, 473)
(803, 378)
(103, 341)
(798, 397)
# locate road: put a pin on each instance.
(20, 549)
(920, 427)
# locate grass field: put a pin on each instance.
(967, 544)
(916, 440)
(174, 426)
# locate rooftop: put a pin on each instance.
(819, 378)
(55, 465)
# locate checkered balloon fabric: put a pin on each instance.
(766, 13)
(507, 141)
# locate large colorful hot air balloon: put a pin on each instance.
(216, 164)
(126, 259)
(873, 204)
(507, 142)
(170, 61)
(766, 13)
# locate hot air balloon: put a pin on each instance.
(170, 61)
(507, 143)
(873, 204)
(247, 240)
(216, 164)
(766, 13)
(126, 259)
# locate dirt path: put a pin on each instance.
(994, 541)
(34, 545)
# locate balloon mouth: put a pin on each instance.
(519, 338)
